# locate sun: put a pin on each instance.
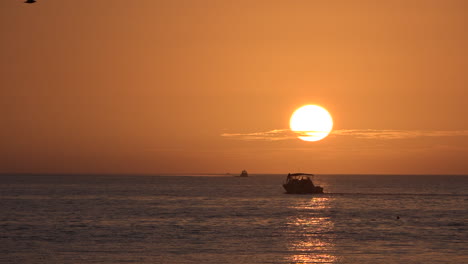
(311, 122)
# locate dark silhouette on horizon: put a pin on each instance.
(30, 1)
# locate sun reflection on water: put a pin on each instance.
(310, 232)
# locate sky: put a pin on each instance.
(208, 86)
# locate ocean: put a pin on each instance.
(224, 219)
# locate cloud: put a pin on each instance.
(397, 134)
(387, 134)
(272, 135)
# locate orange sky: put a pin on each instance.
(153, 86)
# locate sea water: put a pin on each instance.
(225, 219)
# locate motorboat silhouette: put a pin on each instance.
(243, 174)
(297, 183)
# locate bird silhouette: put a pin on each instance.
(30, 1)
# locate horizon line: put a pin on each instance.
(216, 174)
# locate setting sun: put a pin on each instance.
(311, 122)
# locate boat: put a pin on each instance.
(300, 183)
(243, 174)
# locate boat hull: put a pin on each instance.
(299, 188)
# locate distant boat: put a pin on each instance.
(243, 174)
(301, 183)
